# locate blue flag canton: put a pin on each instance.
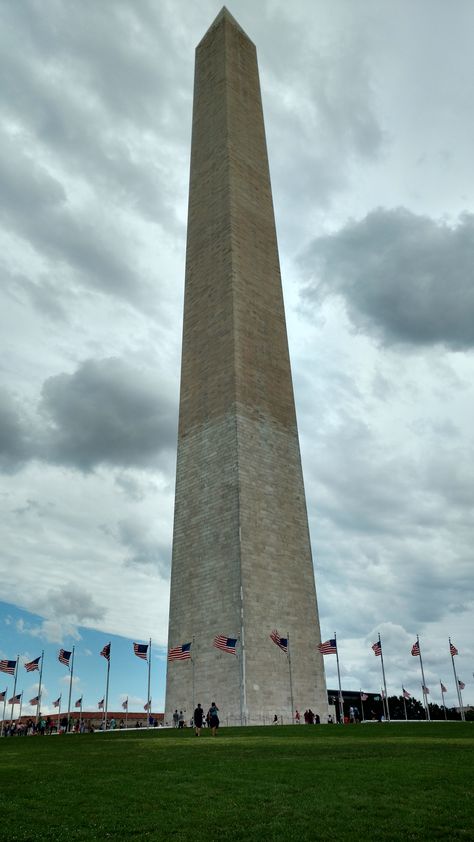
(186, 647)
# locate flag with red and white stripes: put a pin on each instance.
(64, 656)
(227, 644)
(180, 653)
(328, 647)
(282, 642)
(106, 651)
(141, 650)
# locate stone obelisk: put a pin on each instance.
(241, 563)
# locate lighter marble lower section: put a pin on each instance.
(242, 566)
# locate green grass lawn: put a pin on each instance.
(370, 782)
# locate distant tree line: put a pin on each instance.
(373, 707)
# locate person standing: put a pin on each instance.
(214, 718)
(175, 719)
(198, 717)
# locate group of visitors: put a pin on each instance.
(45, 726)
(198, 721)
(311, 718)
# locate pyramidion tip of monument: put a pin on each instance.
(225, 16)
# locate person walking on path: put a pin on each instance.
(198, 716)
(181, 719)
(175, 719)
(213, 718)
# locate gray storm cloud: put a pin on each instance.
(15, 445)
(404, 278)
(107, 412)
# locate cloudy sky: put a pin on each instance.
(369, 111)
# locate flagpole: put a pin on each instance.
(442, 696)
(126, 715)
(70, 691)
(341, 702)
(14, 686)
(193, 677)
(462, 706)
(382, 694)
(80, 716)
(362, 705)
(21, 705)
(242, 653)
(404, 704)
(427, 710)
(241, 682)
(4, 706)
(107, 690)
(291, 679)
(148, 694)
(59, 711)
(384, 682)
(461, 709)
(39, 690)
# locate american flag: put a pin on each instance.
(461, 684)
(147, 706)
(180, 653)
(34, 701)
(106, 651)
(406, 694)
(63, 657)
(227, 644)
(78, 703)
(101, 704)
(57, 702)
(443, 688)
(125, 704)
(425, 689)
(2, 695)
(282, 642)
(377, 647)
(415, 649)
(8, 666)
(364, 697)
(33, 665)
(141, 650)
(453, 649)
(328, 647)
(15, 700)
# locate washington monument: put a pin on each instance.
(241, 563)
